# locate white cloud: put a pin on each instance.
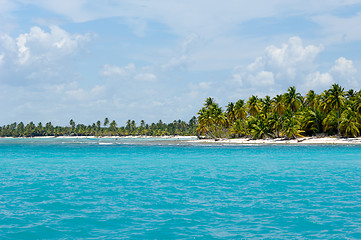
(285, 65)
(317, 81)
(345, 72)
(237, 79)
(80, 94)
(1, 59)
(288, 65)
(39, 55)
(262, 78)
(344, 67)
(39, 46)
(145, 77)
(117, 71)
(128, 73)
(209, 43)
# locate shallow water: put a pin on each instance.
(167, 189)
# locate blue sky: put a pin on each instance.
(153, 60)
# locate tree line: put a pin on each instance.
(288, 115)
(105, 128)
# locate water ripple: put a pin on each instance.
(63, 191)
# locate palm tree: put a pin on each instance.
(113, 126)
(350, 94)
(106, 122)
(209, 102)
(330, 122)
(203, 121)
(230, 113)
(350, 123)
(310, 121)
(211, 119)
(336, 101)
(357, 102)
(266, 105)
(311, 101)
(293, 99)
(72, 123)
(253, 106)
(240, 113)
(279, 107)
(260, 129)
(292, 128)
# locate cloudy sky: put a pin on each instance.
(151, 60)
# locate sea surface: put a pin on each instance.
(174, 189)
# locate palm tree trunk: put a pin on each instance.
(318, 125)
(281, 122)
(244, 126)
(338, 122)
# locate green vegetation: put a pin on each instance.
(96, 129)
(289, 115)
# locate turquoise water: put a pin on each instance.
(165, 189)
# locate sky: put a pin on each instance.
(149, 60)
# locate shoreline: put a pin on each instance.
(235, 141)
(103, 137)
(301, 141)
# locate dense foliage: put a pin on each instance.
(106, 128)
(288, 115)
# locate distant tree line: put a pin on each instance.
(105, 128)
(289, 115)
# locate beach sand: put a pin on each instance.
(194, 139)
(305, 140)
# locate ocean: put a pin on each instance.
(173, 189)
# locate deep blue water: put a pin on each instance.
(142, 189)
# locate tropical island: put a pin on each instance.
(334, 112)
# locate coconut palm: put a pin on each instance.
(240, 113)
(293, 100)
(350, 94)
(253, 106)
(336, 101)
(230, 113)
(260, 129)
(113, 126)
(211, 119)
(310, 121)
(350, 123)
(266, 105)
(279, 107)
(209, 102)
(237, 128)
(106, 122)
(330, 122)
(312, 102)
(356, 103)
(72, 123)
(275, 125)
(292, 128)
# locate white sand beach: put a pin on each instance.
(305, 140)
(194, 139)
